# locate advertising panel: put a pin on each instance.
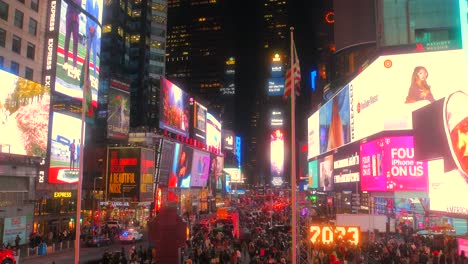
(64, 149)
(234, 174)
(216, 171)
(199, 121)
(402, 83)
(124, 174)
(79, 44)
(181, 171)
(326, 173)
(313, 143)
(276, 86)
(146, 175)
(14, 226)
(443, 142)
(313, 175)
(277, 69)
(165, 163)
(200, 169)
(334, 120)
(388, 164)
(229, 140)
(277, 153)
(174, 109)
(462, 245)
(238, 149)
(118, 110)
(24, 116)
(277, 119)
(346, 168)
(213, 133)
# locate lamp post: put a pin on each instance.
(94, 197)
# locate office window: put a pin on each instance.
(3, 10)
(16, 47)
(35, 5)
(28, 73)
(14, 67)
(31, 51)
(19, 19)
(2, 37)
(32, 26)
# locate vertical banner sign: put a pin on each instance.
(147, 175)
(52, 27)
(124, 173)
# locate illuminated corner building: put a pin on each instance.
(22, 38)
(199, 48)
(133, 50)
(275, 25)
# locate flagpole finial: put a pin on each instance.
(291, 28)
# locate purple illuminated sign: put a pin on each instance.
(388, 164)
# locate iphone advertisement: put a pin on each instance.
(388, 164)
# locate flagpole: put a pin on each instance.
(293, 153)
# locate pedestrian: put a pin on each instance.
(17, 241)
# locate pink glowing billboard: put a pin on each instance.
(388, 164)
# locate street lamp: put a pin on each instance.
(94, 197)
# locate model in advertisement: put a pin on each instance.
(91, 31)
(419, 89)
(456, 129)
(71, 30)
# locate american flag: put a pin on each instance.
(296, 69)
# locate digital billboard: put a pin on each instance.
(24, 116)
(326, 173)
(73, 43)
(277, 69)
(181, 171)
(213, 133)
(312, 180)
(277, 118)
(234, 174)
(174, 109)
(14, 226)
(199, 121)
(276, 86)
(402, 83)
(147, 180)
(65, 141)
(277, 153)
(334, 122)
(346, 168)
(216, 171)
(388, 164)
(313, 143)
(118, 110)
(124, 173)
(229, 139)
(200, 169)
(165, 162)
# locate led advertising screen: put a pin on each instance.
(277, 69)
(118, 115)
(124, 173)
(277, 118)
(346, 168)
(388, 164)
(146, 175)
(181, 171)
(402, 83)
(238, 149)
(277, 153)
(216, 171)
(174, 109)
(200, 169)
(78, 50)
(326, 173)
(313, 143)
(334, 120)
(312, 175)
(462, 245)
(229, 140)
(234, 174)
(24, 116)
(213, 133)
(64, 149)
(444, 141)
(276, 86)
(165, 162)
(199, 121)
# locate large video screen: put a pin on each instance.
(174, 111)
(199, 121)
(124, 173)
(346, 168)
(213, 132)
(312, 180)
(277, 153)
(24, 116)
(334, 118)
(79, 49)
(64, 149)
(118, 110)
(313, 143)
(146, 175)
(165, 162)
(181, 172)
(326, 173)
(200, 169)
(388, 164)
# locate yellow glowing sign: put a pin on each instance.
(328, 234)
(277, 57)
(62, 194)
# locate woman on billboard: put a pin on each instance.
(419, 89)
